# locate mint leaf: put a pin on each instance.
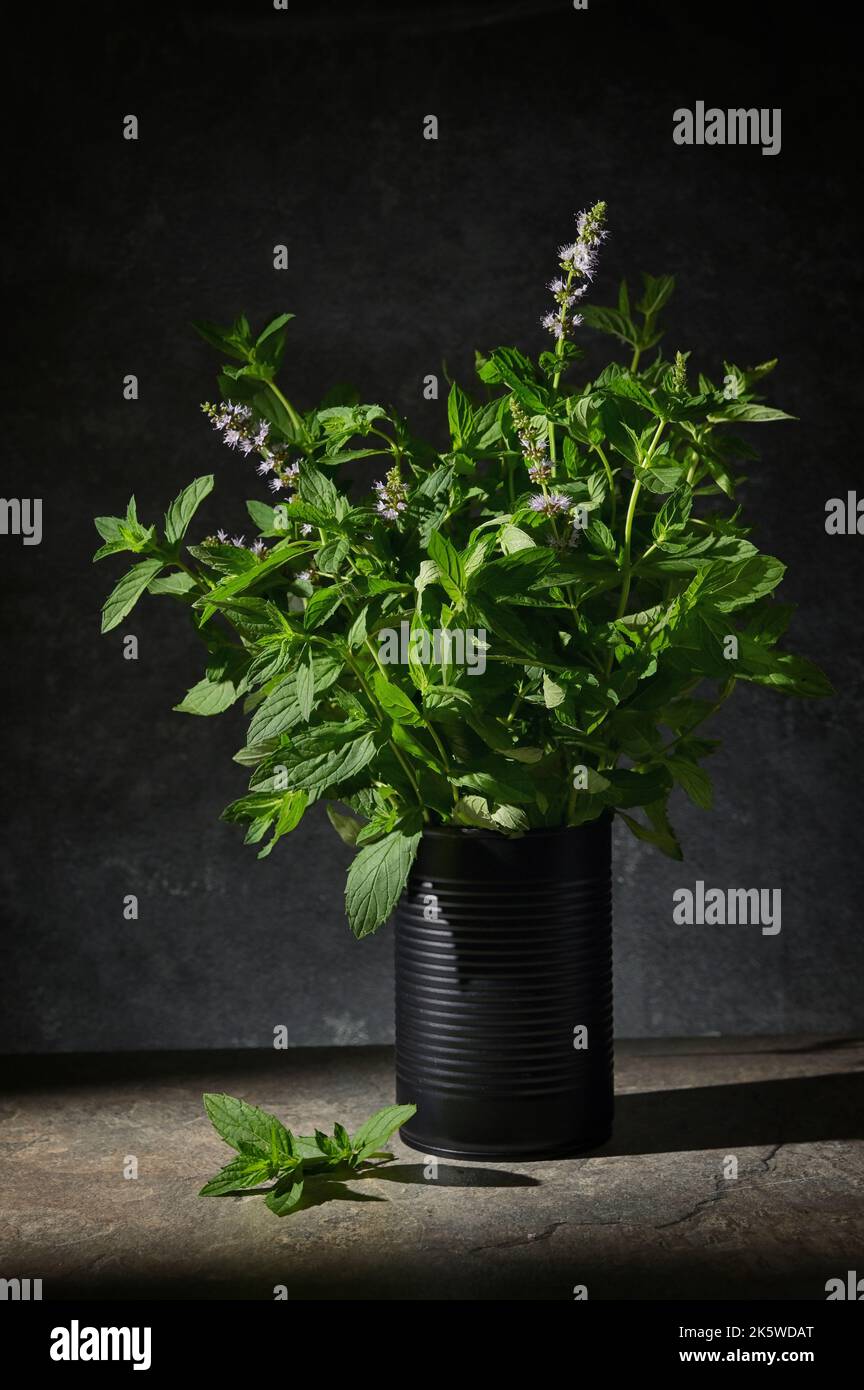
(126, 594)
(394, 701)
(285, 1196)
(373, 1135)
(451, 571)
(376, 878)
(240, 1173)
(281, 710)
(184, 507)
(247, 1129)
(208, 697)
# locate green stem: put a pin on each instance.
(611, 481)
(628, 539)
(637, 353)
(292, 413)
(628, 533)
(559, 352)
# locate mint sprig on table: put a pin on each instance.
(267, 1152)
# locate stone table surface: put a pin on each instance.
(655, 1214)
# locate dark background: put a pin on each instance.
(259, 127)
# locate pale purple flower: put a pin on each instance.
(293, 470)
(553, 323)
(540, 471)
(232, 438)
(257, 546)
(276, 484)
(392, 497)
(264, 467)
(306, 529)
(261, 437)
(222, 536)
(549, 504)
(239, 541)
(246, 446)
(305, 574)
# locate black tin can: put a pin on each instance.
(504, 993)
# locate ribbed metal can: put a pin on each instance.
(504, 993)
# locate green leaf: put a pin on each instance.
(178, 584)
(376, 878)
(357, 630)
(346, 827)
(795, 675)
(553, 694)
(730, 586)
(306, 687)
(273, 327)
(321, 606)
(674, 513)
(629, 787)
(288, 817)
(225, 339)
(247, 1129)
(330, 557)
(694, 780)
(109, 527)
(184, 507)
(264, 516)
(394, 701)
(661, 477)
(281, 710)
(285, 1197)
(326, 756)
(500, 780)
(748, 411)
(237, 1175)
(460, 416)
(513, 573)
(208, 697)
(451, 571)
(659, 833)
(317, 489)
(512, 539)
(126, 594)
(442, 698)
(373, 1135)
(657, 290)
(252, 574)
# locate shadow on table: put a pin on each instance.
(320, 1188)
(795, 1110)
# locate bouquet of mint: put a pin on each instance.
(524, 630)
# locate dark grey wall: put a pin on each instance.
(258, 127)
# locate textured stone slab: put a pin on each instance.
(651, 1216)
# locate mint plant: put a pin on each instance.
(307, 1165)
(585, 535)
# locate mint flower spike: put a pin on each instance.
(578, 261)
(679, 375)
(532, 444)
(392, 497)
